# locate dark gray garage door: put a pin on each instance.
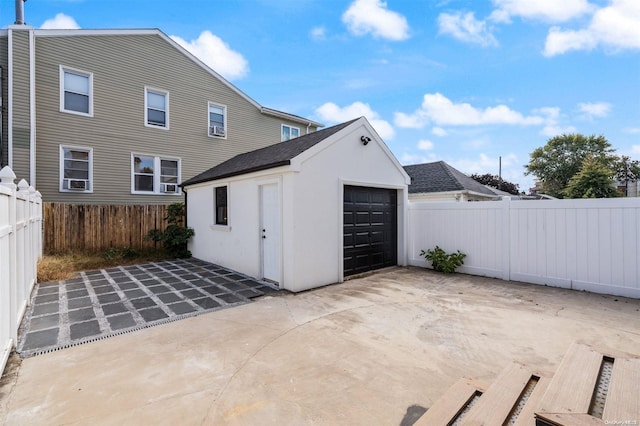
(370, 229)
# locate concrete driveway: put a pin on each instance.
(364, 352)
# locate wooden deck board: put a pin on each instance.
(450, 403)
(567, 419)
(527, 415)
(496, 403)
(623, 399)
(572, 386)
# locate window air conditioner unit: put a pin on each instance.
(168, 188)
(77, 184)
(216, 131)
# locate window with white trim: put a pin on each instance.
(217, 120)
(76, 169)
(76, 91)
(156, 108)
(221, 205)
(155, 175)
(289, 132)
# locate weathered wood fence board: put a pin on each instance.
(94, 228)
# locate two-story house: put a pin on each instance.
(121, 116)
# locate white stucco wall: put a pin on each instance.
(318, 195)
(311, 197)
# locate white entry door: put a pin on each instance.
(270, 232)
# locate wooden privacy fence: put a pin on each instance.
(94, 228)
(20, 249)
(591, 245)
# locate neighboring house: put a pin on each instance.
(121, 116)
(303, 213)
(438, 181)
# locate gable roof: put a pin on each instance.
(441, 177)
(269, 157)
(185, 52)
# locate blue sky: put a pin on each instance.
(464, 81)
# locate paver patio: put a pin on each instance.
(107, 302)
(367, 351)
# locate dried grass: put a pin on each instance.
(65, 266)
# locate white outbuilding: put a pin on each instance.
(306, 212)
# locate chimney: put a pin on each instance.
(20, 12)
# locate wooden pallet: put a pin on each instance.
(590, 387)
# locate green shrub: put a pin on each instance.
(443, 262)
(175, 237)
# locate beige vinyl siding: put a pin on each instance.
(122, 65)
(20, 104)
(4, 63)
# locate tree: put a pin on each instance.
(625, 170)
(497, 182)
(592, 181)
(561, 159)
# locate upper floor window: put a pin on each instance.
(76, 169)
(156, 108)
(76, 91)
(155, 175)
(289, 132)
(217, 120)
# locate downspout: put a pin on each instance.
(32, 111)
(308, 125)
(185, 205)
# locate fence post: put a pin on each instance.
(7, 178)
(23, 247)
(506, 238)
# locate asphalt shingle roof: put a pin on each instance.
(269, 157)
(441, 177)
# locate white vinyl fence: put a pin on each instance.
(20, 249)
(591, 245)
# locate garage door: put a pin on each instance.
(370, 229)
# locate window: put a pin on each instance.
(155, 175)
(289, 132)
(76, 91)
(156, 108)
(221, 205)
(217, 120)
(76, 169)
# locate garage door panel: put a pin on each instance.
(370, 229)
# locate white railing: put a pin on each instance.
(591, 245)
(20, 249)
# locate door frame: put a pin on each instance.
(401, 220)
(278, 235)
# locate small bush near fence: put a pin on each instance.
(80, 228)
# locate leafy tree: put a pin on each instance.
(626, 170)
(497, 182)
(561, 159)
(592, 181)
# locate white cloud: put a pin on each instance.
(545, 10)
(60, 22)
(217, 54)
(615, 27)
(425, 145)
(372, 17)
(552, 118)
(465, 27)
(632, 130)
(595, 109)
(332, 113)
(318, 33)
(410, 158)
(438, 109)
(635, 149)
(439, 131)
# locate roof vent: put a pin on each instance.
(20, 12)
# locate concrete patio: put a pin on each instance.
(364, 352)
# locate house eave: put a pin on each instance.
(237, 173)
(291, 117)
